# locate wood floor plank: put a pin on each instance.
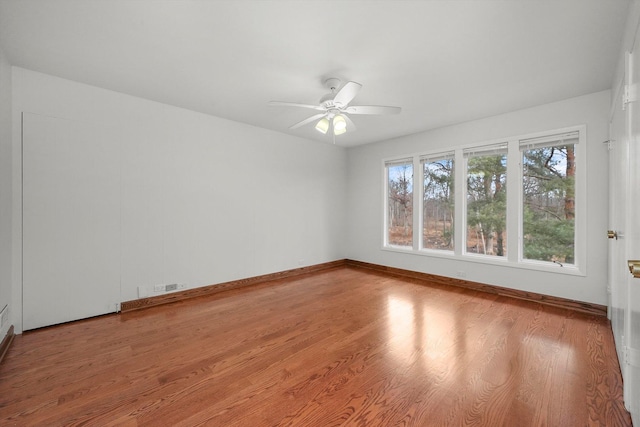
(341, 347)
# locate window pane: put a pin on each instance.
(438, 204)
(487, 204)
(400, 205)
(549, 203)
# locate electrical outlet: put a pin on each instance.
(159, 288)
(461, 274)
(171, 287)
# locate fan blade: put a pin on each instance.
(347, 93)
(307, 120)
(350, 125)
(373, 109)
(295, 104)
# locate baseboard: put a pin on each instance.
(580, 306)
(141, 303)
(6, 343)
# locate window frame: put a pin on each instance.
(514, 220)
(579, 238)
(494, 148)
(440, 155)
(397, 161)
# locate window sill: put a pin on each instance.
(546, 267)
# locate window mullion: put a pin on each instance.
(460, 215)
(514, 201)
(385, 214)
(418, 190)
(581, 203)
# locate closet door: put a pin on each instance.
(632, 353)
(618, 269)
(71, 220)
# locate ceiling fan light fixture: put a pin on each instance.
(339, 125)
(333, 112)
(323, 125)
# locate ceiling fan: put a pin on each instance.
(335, 109)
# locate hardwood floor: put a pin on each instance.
(341, 347)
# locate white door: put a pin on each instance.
(632, 370)
(71, 220)
(618, 179)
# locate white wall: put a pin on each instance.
(204, 200)
(365, 203)
(5, 188)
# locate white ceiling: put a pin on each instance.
(443, 62)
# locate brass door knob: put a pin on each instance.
(634, 267)
(612, 234)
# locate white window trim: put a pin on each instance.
(418, 238)
(580, 225)
(395, 161)
(500, 147)
(514, 258)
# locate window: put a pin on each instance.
(487, 200)
(548, 195)
(438, 202)
(518, 202)
(400, 203)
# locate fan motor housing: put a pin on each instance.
(332, 83)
